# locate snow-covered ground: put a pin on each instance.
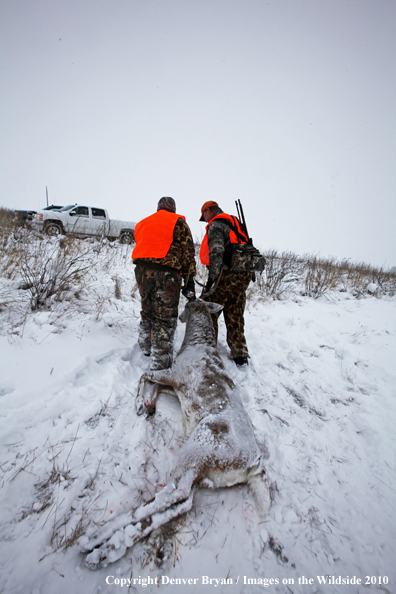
(321, 393)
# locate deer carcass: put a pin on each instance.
(220, 451)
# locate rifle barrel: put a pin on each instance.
(243, 218)
(237, 208)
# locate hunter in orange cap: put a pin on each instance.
(206, 205)
(224, 286)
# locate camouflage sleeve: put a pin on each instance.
(218, 234)
(182, 235)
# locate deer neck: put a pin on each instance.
(199, 330)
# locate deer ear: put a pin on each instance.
(214, 307)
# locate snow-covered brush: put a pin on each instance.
(47, 270)
(321, 275)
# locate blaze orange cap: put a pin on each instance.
(206, 205)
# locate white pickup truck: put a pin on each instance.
(83, 221)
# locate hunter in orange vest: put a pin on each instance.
(164, 255)
(233, 238)
(229, 287)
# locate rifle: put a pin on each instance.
(241, 217)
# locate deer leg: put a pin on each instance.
(114, 548)
(146, 400)
(261, 494)
(177, 491)
(110, 542)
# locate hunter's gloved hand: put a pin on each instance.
(189, 290)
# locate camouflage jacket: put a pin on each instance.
(181, 254)
(218, 236)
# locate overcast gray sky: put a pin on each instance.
(288, 105)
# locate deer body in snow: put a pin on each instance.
(220, 451)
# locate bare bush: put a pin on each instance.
(282, 272)
(321, 275)
(49, 268)
(314, 276)
(385, 280)
(11, 233)
(11, 257)
(7, 222)
(357, 276)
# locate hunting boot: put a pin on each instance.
(162, 336)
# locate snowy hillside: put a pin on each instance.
(320, 391)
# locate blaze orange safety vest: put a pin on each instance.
(154, 234)
(204, 251)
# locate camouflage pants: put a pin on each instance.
(160, 293)
(231, 293)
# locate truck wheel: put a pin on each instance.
(52, 229)
(127, 237)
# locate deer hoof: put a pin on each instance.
(140, 406)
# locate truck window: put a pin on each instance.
(81, 211)
(98, 213)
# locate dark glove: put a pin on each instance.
(189, 290)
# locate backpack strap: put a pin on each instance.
(235, 228)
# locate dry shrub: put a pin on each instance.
(50, 267)
(314, 276)
(357, 277)
(7, 222)
(12, 233)
(321, 276)
(282, 273)
(385, 280)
